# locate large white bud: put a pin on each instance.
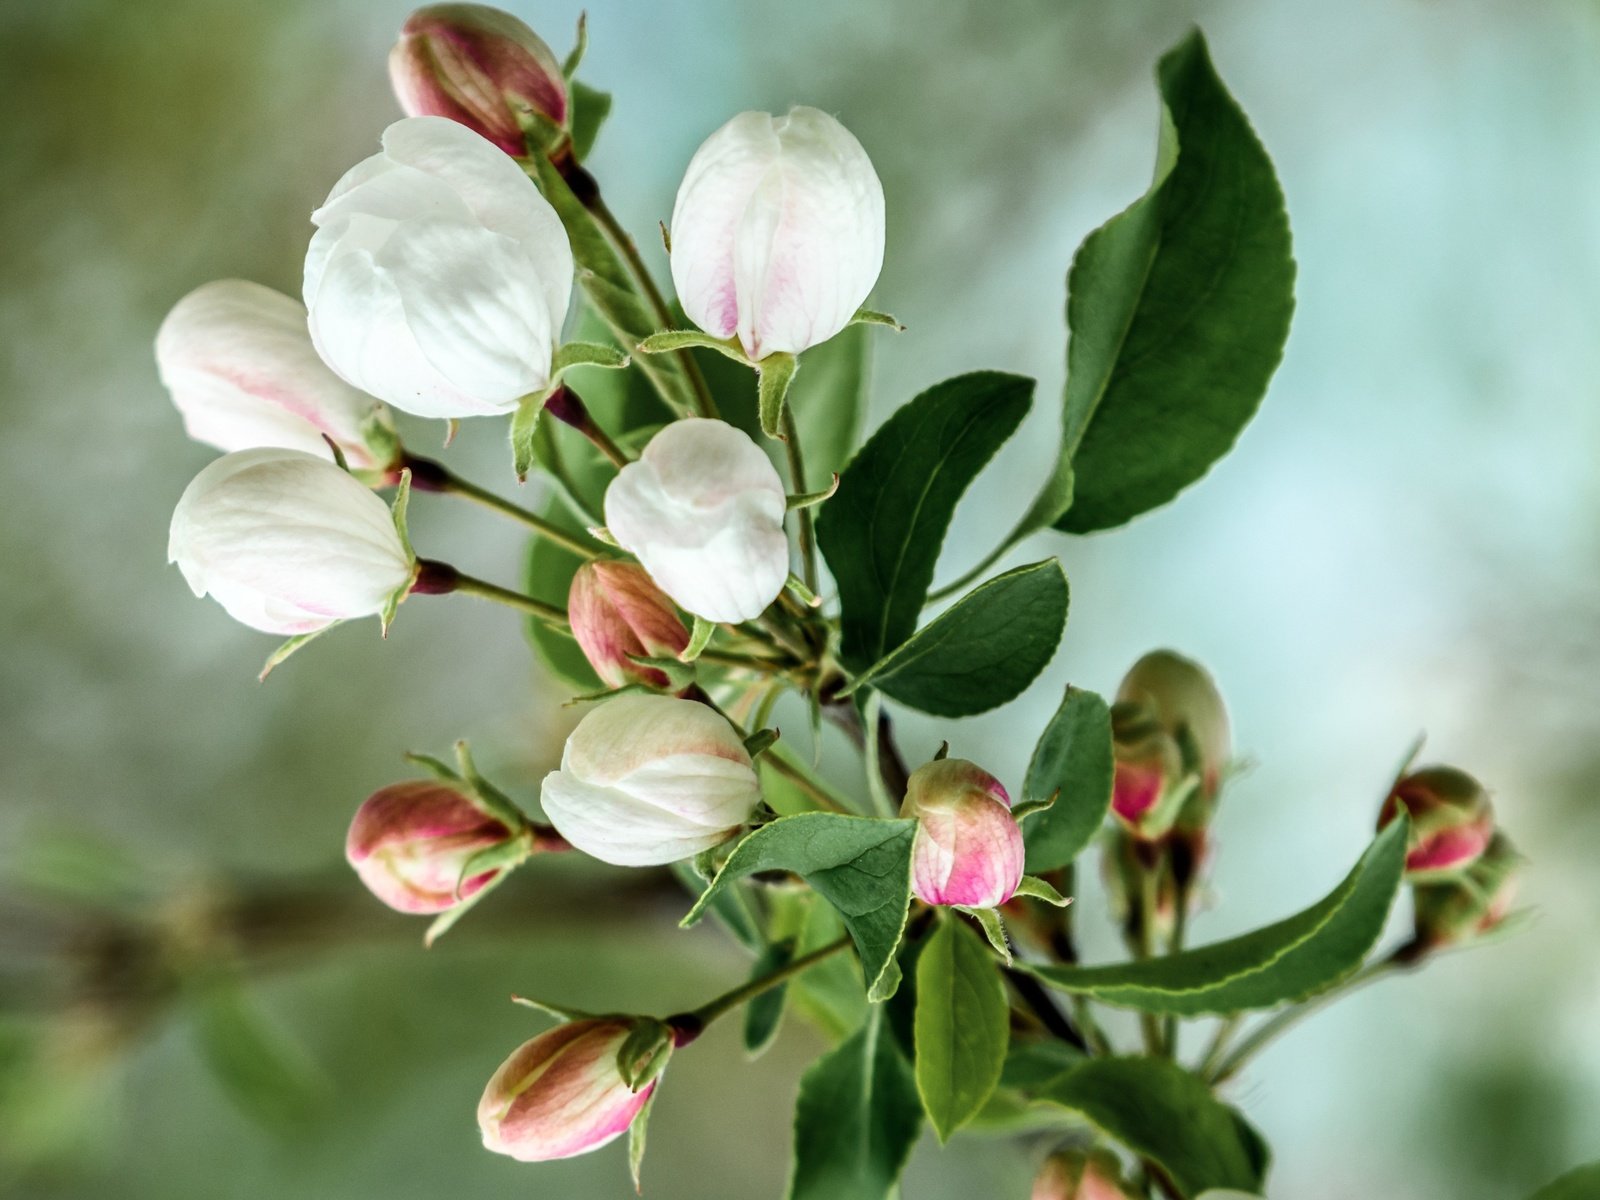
(646, 780)
(239, 363)
(703, 511)
(287, 542)
(438, 278)
(777, 233)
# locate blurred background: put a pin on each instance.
(1406, 540)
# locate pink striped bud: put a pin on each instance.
(618, 613)
(1079, 1175)
(410, 844)
(1451, 820)
(968, 848)
(480, 67)
(562, 1093)
(1458, 910)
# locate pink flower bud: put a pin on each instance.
(616, 611)
(1458, 910)
(561, 1094)
(1451, 820)
(968, 848)
(1079, 1175)
(478, 66)
(410, 842)
(1172, 746)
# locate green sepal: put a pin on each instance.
(993, 927)
(811, 499)
(669, 341)
(866, 316)
(540, 134)
(379, 437)
(287, 648)
(560, 1011)
(636, 1139)
(445, 921)
(525, 421)
(759, 741)
(705, 864)
(806, 596)
(500, 857)
(1021, 812)
(774, 373)
(586, 354)
(402, 502)
(490, 800)
(590, 108)
(1032, 885)
(679, 675)
(644, 1052)
(436, 767)
(569, 68)
(699, 639)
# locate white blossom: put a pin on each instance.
(287, 542)
(438, 278)
(703, 511)
(777, 233)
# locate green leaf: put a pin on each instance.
(728, 905)
(859, 865)
(1032, 885)
(590, 108)
(882, 531)
(764, 1014)
(1296, 958)
(1162, 1112)
(1582, 1184)
(268, 1075)
(983, 650)
(1073, 758)
(776, 372)
(1178, 307)
(962, 1026)
(856, 1119)
(1032, 1064)
(831, 994)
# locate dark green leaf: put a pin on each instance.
(1073, 758)
(859, 865)
(763, 1014)
(1582, 1184)
(1296, 958)
(1178, 307)
(856, 1119)
(590, 107)
(728, 906)
(1162, 1112)
(1033, 1063)
(983, 650)
(962, 1025)
(882, 531)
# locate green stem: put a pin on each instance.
(1180, 926)
(1280, 1023)
(437, 578)
(797, 484)
(1212, 1058)
(629, 250)
(769, 666)
(805, 781)
(728, 1001)
(430, 476)
(1144, 947)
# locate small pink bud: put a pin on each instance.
(1186, 704)
(1172, 745)
(1458, 910)
(479, 66)
(1451, 820)
(410, 842)
(562, 1093)
(617, 611)
(1079, 1175)
(968, 848)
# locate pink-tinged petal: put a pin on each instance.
(1451, 849)
(968, 849)
(410, 842)
(617, 613)
(1136, 790)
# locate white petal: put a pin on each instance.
(614, 827)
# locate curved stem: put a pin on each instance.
(437, 578)
(430, 476)
(1144, 947)
(1212, 1058)
(805, 781)
(797, 484)
(708, 1012)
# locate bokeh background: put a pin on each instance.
(1407, 539)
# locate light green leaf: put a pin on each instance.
(1178, 307)
(1296, 958)
(269, 1076)
(856, 1119)
(1160, 1111)
(1582, 1184)
(669, 341)
(962, 1026)
(983, 650)
(590, 108)
(728, 905)
(1032, 885)
(859, 865)
(882, 531)
(1073, 762)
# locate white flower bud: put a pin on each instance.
(287, 542)
(703, 511)
(438, 278)
(646, 780)
(777, 233)
(239, 363)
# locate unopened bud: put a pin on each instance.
(1451, 820)
(411, 842)
(1172, 746)
(968, 848)
(1079, 1175)
(1458, 910)
(617, 614)
(1126, 862)
(479, 66)
(562, 1093)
